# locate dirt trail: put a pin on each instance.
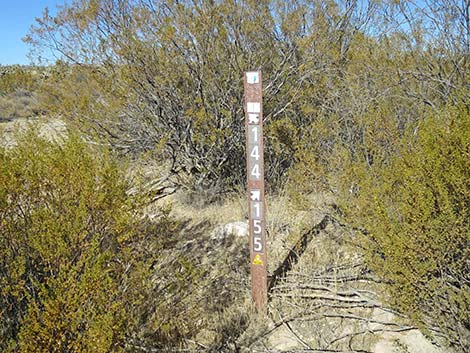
(324, 299)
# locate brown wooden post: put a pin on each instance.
(255, 178)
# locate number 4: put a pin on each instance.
(255, 152)
(255, 171)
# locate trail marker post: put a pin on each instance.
(255, 180)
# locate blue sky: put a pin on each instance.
(16, 16)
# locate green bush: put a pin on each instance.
(15, 77)
(76, 254)
(416, 213)
(19, 104)
(64, 216)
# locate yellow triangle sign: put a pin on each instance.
(257, 260)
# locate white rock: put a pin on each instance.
(237, 229)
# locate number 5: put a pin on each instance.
(257, 226)
(257, 244)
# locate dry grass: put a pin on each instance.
(286, 223)
(18, 104)
(232, 209)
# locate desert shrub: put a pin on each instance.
(63, 218)
(13, 78)
(19, 104)
(77, 255)
(18, 87)
(415, 210)
(170, 78)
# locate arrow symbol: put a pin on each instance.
(255, 195)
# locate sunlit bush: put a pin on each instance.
(76, 253)
(416, 212)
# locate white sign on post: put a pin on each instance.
(255, 195)
(253, 107)
(252, 77)
(253, 118)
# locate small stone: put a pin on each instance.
(237, 229)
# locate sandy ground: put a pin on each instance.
(50, 128)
